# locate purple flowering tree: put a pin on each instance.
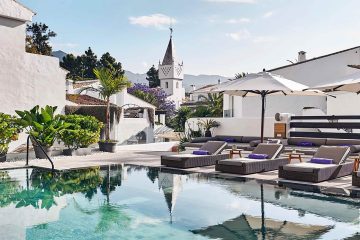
(162, 103)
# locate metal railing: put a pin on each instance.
(42, 149)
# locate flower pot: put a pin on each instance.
(207, 133)
(77, 152)
(3, 157)
(107, 146)
(40, 154)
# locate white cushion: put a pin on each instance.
(306, 167)
(179, 157)
(239, 161)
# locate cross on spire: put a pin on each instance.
(171, 31)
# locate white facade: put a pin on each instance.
(171, 75)
(317, 71)
(126, 130)
(26, 79)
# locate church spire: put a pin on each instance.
(169, 57)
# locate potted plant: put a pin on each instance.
(9, 130)
(208, 124)
(44, 127)
(110, 84)
(80, 134)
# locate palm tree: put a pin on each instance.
(110, 84)
(214, 102)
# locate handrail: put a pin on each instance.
(42, 149)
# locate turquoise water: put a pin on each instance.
(126, 202)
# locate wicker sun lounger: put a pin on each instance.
(356, 179)
(189, 160)
(249, 166)
(314, 172)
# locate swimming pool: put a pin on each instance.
(128, 202)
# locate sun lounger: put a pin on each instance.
(316, 172)
(249, 166)
(189, 160)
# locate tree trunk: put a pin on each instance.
(107, 129)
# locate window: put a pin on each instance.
(177, 85)
(166, 85)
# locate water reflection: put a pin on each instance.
(130, 199)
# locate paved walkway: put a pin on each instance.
(340, 186)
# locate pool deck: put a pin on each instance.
(151, 157)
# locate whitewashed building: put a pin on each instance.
(171, 74)
(136, 122)
(26, 79)
(311, 72)
(242, 115)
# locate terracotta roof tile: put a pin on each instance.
(84, 100)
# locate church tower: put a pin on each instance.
(171, 74)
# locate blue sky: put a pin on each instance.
(211, 36)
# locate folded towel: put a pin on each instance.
(306, 144)
(258, 156)
(322, 160)
(201, 152)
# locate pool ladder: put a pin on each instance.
(42, 149)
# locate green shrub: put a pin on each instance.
(42, 124)
(82, 131)
(9, 130)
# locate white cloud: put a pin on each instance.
(240, 35)
(159, 21)
(232, 1)
(264, 39)
(268, 14)
(244, 34)
(238, 20)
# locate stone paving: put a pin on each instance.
(340, 186)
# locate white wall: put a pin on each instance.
(234, 104)
(26, 79)
(315, 72)
(129, 127)
(344, 104)
(176, 94)
(124, 98)
(14, 10)
(287, 104)
(238, 126)
(322, 70)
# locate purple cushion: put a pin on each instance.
(201, 152)
(322, 160)
(346, 145)
(230, 140)
(258, 156)
(306, 144)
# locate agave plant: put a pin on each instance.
(208, 124)
(42, 124)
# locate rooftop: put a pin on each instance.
(313, 59)
(84, 100)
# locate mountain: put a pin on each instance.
(59, 54)
(197, 80)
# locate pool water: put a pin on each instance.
(127, 202)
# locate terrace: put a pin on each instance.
(149, 155)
